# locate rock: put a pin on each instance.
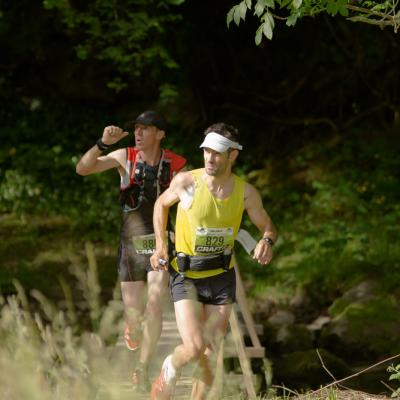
(361, 293)
(304, 370)
(294, 337)
(364, 329)
(281, 317)
(319, 323)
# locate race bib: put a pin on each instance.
(146, 244)
(213, 240)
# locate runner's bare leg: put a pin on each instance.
(133, 300)
(157, 284)
(216, 319)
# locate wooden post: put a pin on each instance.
(244, 308)
(241, 351)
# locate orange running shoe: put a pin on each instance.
(163, 387)
(131, 343)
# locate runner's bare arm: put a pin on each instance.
(260, 218)
(92, 161)
(160, 216)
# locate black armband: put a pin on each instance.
(101, 145)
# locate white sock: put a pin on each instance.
(169, 370)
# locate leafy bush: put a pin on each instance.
(38, 168)
(336, 208)
(395, 376)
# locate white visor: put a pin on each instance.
(219, 143)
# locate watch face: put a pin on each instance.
(269, 241)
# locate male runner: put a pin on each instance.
(202, 278)
(145, 172)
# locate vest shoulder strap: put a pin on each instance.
(132, 152)
(173, 160)
(177, 161)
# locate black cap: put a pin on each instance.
(150, 117)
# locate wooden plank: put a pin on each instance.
(251, 352)
(244, 361)
(244, 308)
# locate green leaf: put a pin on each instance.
(259, 8)
(267, 28)
(248, 4)
(341, 5)
(285, 3)
(297, 4)
(229, 16)
(236, 15)
(243, 10)
(271, 19)
(269, 3)
(332, 8)
(292, 19)
(380, 7)
(259, 33)
(394, 376)
(344, 11)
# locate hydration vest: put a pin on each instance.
(132, 183)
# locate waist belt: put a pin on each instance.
(203, 263)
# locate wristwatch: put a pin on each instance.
(268, 240)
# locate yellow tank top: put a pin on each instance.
(210, 225)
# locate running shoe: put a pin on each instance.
(163, 387)
(131, 342)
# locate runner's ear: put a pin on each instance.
(160, 134)
(232, 155)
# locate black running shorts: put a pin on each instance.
(218, 290)
(132, 267)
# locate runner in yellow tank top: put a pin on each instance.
(210, 225)
(202, 280)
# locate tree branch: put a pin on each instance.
(367, 20)
(387, 19)
(351, 376)
(367, 11)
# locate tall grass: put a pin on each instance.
(62, 351)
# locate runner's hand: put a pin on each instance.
(263, 252)
(113, 134)
(159, 260)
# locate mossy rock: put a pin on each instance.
(304, 369)
(369, 328)
(294, 337)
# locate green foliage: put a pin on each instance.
(336, 211)
(38, 168)
(395, 376)
(373, 12)
(129, 38)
